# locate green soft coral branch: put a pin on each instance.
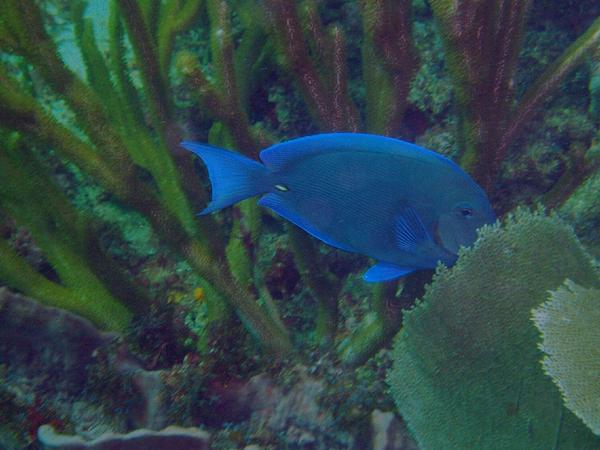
(239, 261)
(135, 137)
(145, 48)
(319, 281)
(223, 52)
(30, 197)
(94, 120)
(252, 52)
(145, 150)
(388, 62)
(244, 235)
(40, 50)
(378, 89)
(22, 112)
(373, 330)
(118, 65)
(175, 17)
(139, 143)
(98, 75)
(549, 81)
(268, 332)
(16, 273)
(380, 325)
(127, 122)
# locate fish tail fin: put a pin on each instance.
(233, 177)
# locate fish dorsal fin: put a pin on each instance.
(409, 230)
(384, 272)
(283, 208)
(280, 155)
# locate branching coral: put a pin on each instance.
(118, 147)
(482, 42)
(68, 241)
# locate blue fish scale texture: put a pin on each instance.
(334, 192)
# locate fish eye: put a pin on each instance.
(465, 210)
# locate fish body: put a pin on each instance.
(403, 205)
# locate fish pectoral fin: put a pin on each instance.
(409, 230)
(278, 205)
(385, 271)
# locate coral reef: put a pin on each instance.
(466, 368)
(219, 318)
(62, 370)
(83, 389)
(568, 322)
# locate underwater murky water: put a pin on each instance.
(335, 224)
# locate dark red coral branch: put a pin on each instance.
(291, 39)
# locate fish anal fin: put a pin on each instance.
(383, 271)
(278, 205)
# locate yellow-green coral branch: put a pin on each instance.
(549, 80)
(94, 120)
(22, 112)
(118, 65)
(145, 48)
(268, 332)
(19, 275)
(319, 281)
(29, 196)
(175, 17)
(39, 48)
(226, 83)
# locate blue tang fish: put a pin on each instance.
(403, 205)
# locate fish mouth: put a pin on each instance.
(437, 238)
